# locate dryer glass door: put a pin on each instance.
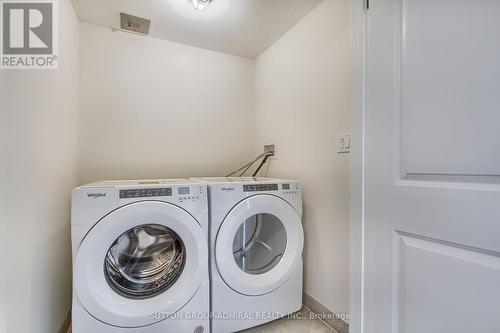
(259, 244)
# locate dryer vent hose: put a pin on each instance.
(264, 157)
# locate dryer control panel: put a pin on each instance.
(260, 187)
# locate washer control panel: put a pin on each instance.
(176, 193)
(146, 193)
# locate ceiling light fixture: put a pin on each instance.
(200, 4)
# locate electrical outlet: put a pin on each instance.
(270, 149)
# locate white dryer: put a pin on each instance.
(256, 242)
(140, 257)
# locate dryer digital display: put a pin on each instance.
(260, 187)
(146, 192)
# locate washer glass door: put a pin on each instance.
(144, 261)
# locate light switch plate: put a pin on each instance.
(344, 143)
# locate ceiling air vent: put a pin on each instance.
(134, 23)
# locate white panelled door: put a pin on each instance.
(432, 167)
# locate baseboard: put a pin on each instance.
(328, 317)
(66, 325)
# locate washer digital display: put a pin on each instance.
(183, 190)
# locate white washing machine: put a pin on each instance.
(140, 257)
(256, 242)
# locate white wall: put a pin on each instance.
(157, 109)
(303, 98)
(38, 169)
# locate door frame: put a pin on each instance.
(357, 169)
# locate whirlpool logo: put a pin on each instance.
(29, 38)
(96, 195)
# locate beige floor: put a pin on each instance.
(299, 324)
(291, 325)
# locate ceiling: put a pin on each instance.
(240, 27)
